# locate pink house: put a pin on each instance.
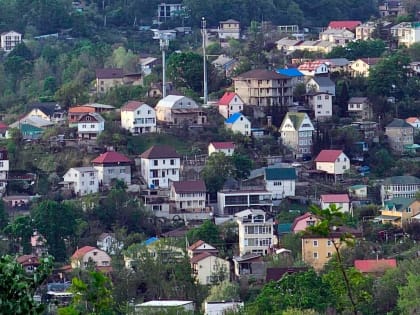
(302, 222)
(342, 201)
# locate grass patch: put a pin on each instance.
(139, 144)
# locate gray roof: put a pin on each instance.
(323, 81)
(398, 123)
(358, 100)
(401, 180)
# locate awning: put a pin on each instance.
(387, 218)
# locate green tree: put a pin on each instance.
(409, 299)
(17, 288)
(217, 169)
(71, 93)
(207, 232)
(186, 70)
(242, 165)
(224, 291)
(123, 58)
(20, 231)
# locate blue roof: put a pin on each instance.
(233, 118)
(292, 72)
(150, 241)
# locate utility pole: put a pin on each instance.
(204, 33)
(164, 44)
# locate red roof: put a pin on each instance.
(110, 158)
(350, 25)
(200, 257)
(3, 126)
(28, 260)
(409, 120)
(82, 252)
(328, 155)
(189, 186)
(131, 105)
(373, 265)
(227, 98)
(81, 109)
(310, 65)
(332, 198)
(195, 245)
(160, 152)
(223, 145)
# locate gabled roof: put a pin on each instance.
(276, 273)
(97, 118)
(296, 119)
(131, 106)
(370, 61)
(332, 198)
(150, 241)
(375, 266)
(358, 100)
(195, 245)
(223, 145)
(233, 118)
(399, 203)
(48, 108)
(401, 180)
(410, 120)
(261, 74)
(300, 218)
(83, 251)
(311, 65)
(280, 173)
(170, 100)
(111, 157)
(189, 186)
(110, 73)
(28, 260)
(160, 152)
(200, 257)
(398, 123)
(335, 62)
(350, 24)
(328, 155)
(81, 109)
(323, 81)
(232, 21)
(290, 72)
(227, 98)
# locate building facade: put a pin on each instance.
(188, 196)
(81, 180)
(138, 117)
(112, 166)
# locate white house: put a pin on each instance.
(256, 232)
(333, 162)
(320, 84)
(9, 40)
(231, 201)
(108, 243)
(337, 36)
(159, 166)
(200, 247)
(138, 117)
(239, 123)
(228, 148)
(112, 165)
(90, 126)
(313, 68)
(229, 29)
(399, 187)
(89, 254)
(188, 196)
(4, 169)
(208, 268)
(321, 104)
(415, 122)
(230, 103)
(281, 182)
(82, 180)
(340, 200)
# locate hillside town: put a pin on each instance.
(187, 164)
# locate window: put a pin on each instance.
(329, 254)
(83, 126)
(408, 210)
(173, 172)
(110, 171)
(122, 171)
(315, 255)
(163, 162)
(315, 243)
(329, 243)
(155, 162)
(319, 97)
(92, 126)
(319, 106)
(91, 182)
(172, 162)
(327, 97)
(95, 253)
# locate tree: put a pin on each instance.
(71, 93)
(409, 300)
(224, 291)
(186, 70)
(20, 231)
(123, 58)
(17, 288)
(207, 232)
(242, 165)
(217, 169)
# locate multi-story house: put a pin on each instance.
(399, 211)
(359, 108)
(179, 110)
(229, 29)
(228, 148)
(76, 112)
(50, 111)
(392, 7)
(106, 79)
(87, 255)
(313, 68)
(238, 123)
(169, 10)
(399, 187)
(301, 223)
(296, 133)
(344, 25)
(256, 232)
(10, 40)
(209, 269)
(108, 243)
(320, 84)
(406, 33)
(90, 126)
(332, 162)
(281, 182)
(365, 30)
(362, 66)
(4, 169)
(321, 104)
(231, 201)
(188, 196)
(400, 134)
(138, 117)
(112, 166)
(264, 88)
(200, 247)
(229, 104)
(82, 180)
(341, 201)
(339, 37)
(160, 165)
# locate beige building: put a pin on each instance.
(406, 33)
(88, 254)
(209, 269)
(264, 88)
(108, 78)
(359, 108)
(365, 30)
(229, 29)
(399, 133)
(340, 37)
(362, 66)
(333, 162)
(188, 196)
(399, 211)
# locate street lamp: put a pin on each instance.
(204, 34)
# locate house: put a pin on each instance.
(156, 90)
(317, 250)
(238, 123)
(359, 108)
(4, 169)
(358, 191)
(4, 131)
(159, 165)
(392, 7)
(414, 68)
(406, 33)
(29, 262)
(76, 112)
(188, 196)
(231, 201)
(264, 88)
(287, 45)
(228, 148)
(50, 111)
(111, 166)
(321, 104)
(339, 37)
(169, 11)
(336, 64)
(296, 133)
(165, 307)
(179, 110)
(413, 121)
(222, 307)
(294, 73)
(38, 244)
(333, 162)
(367, 129)
(340, 25)
(249, 266)
(81, 180)
(87, 255)
(364, 31)
(32, 127)
(138, 117)
(256, 232)
(201, 247)
(209, 269)
(400, 134)
(319, 46)
(9, 40)
(108, 243)
(313, 68)
(90, 126)
(399, 211)
(362, 66)
(229, 29)
(303, 221)
(376, 267)
(147, 64)
(341, 201)
(225, 65)
(399, 186)
(100, 108)
(108, 78)
(320, 84)
(230, 104)
(281, 182)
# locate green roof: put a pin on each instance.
(280, 173)
(399, 203)
(401, 180)
(357, 186)
(284, 228)
(296, 118)
(27, 129)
